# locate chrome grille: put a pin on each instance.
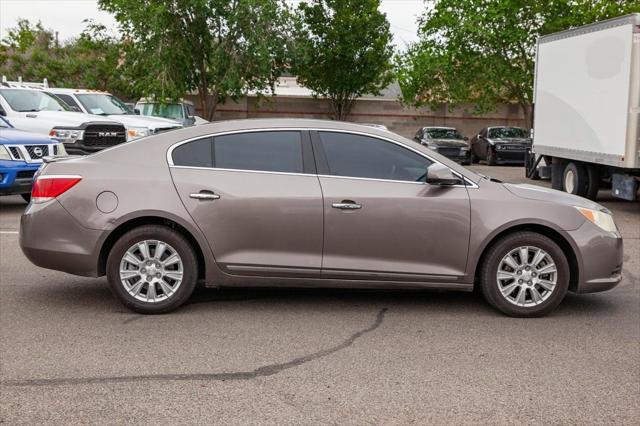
(31, 153)
(37, 151)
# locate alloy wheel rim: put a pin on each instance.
(151, 271)
(527, 276)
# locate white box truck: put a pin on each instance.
(587, 108)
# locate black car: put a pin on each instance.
(446, 141)
(500, 145)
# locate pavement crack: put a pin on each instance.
(264, 371)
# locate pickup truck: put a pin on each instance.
(182, 111)
(104, 104)
(35, 111)
(21, 154)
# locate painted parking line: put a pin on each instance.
(9, 232)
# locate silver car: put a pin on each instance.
(310, 203)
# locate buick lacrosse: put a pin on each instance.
(285, 202)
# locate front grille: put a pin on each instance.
(27, 174)
(104, 135)
(36, 152)
(513, 147)
(449, 151)
(15, 153)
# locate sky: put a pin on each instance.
(66, 16)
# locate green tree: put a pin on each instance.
(342, 50)
(219, 48)
(28, 51)
(91, 60)
(482, 52)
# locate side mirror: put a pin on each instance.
(3, 113)
(466, 138)
(76, 109)
(136, 111)
(438, 174)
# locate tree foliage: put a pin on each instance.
(219, 48)
(91, 60)
(342, 50)
(482, 52)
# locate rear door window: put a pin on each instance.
(277, 151)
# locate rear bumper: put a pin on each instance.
(16, 177)
(601, 255)
(51, 238)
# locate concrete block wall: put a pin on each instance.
(398, 118)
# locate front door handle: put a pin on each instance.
(204, 195)
(346, 205)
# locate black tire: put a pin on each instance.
(577, 174)
(557, 172)
(492, 159)
(26, 197)
(593, 181)
(489, 282)
(176, 241)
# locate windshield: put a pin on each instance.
(444, 133)
(102, 104)
(22, 100)
(508, 132)
(173, 111)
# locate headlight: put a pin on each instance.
(603, 219)
(136, 133)
(4, 153)
(61, 151)
(66, 135)
(432, 145)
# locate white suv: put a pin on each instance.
(36, 111)
(104, 104)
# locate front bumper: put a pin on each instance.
(515, 156)
(600, 258)
(16, 177)
(51, 238)
(456, 154)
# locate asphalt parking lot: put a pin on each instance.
(72, 354)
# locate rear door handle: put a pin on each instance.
(204, 195)
(346, 205)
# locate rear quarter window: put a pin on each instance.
(198, 153)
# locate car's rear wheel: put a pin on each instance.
(152, 269)
(525, 274)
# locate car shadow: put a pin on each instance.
(95, 296)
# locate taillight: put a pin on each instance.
(47, 187)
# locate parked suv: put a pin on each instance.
(446, 141)
(21, 155)
(286, 202)
(105, 104)
(36, 111)
(500, 145)
(182, 111)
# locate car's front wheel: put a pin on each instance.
(152, 269)
(525, 274)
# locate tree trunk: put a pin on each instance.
(527, 111)
(342, 107)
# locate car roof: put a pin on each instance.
(439, 127)
(65, 91)
(151, 101)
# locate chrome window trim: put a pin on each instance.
(469, 182)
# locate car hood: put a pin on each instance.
(148, 122)
(533, 192)
(20, 137)
(452, 143)
(65, 118)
